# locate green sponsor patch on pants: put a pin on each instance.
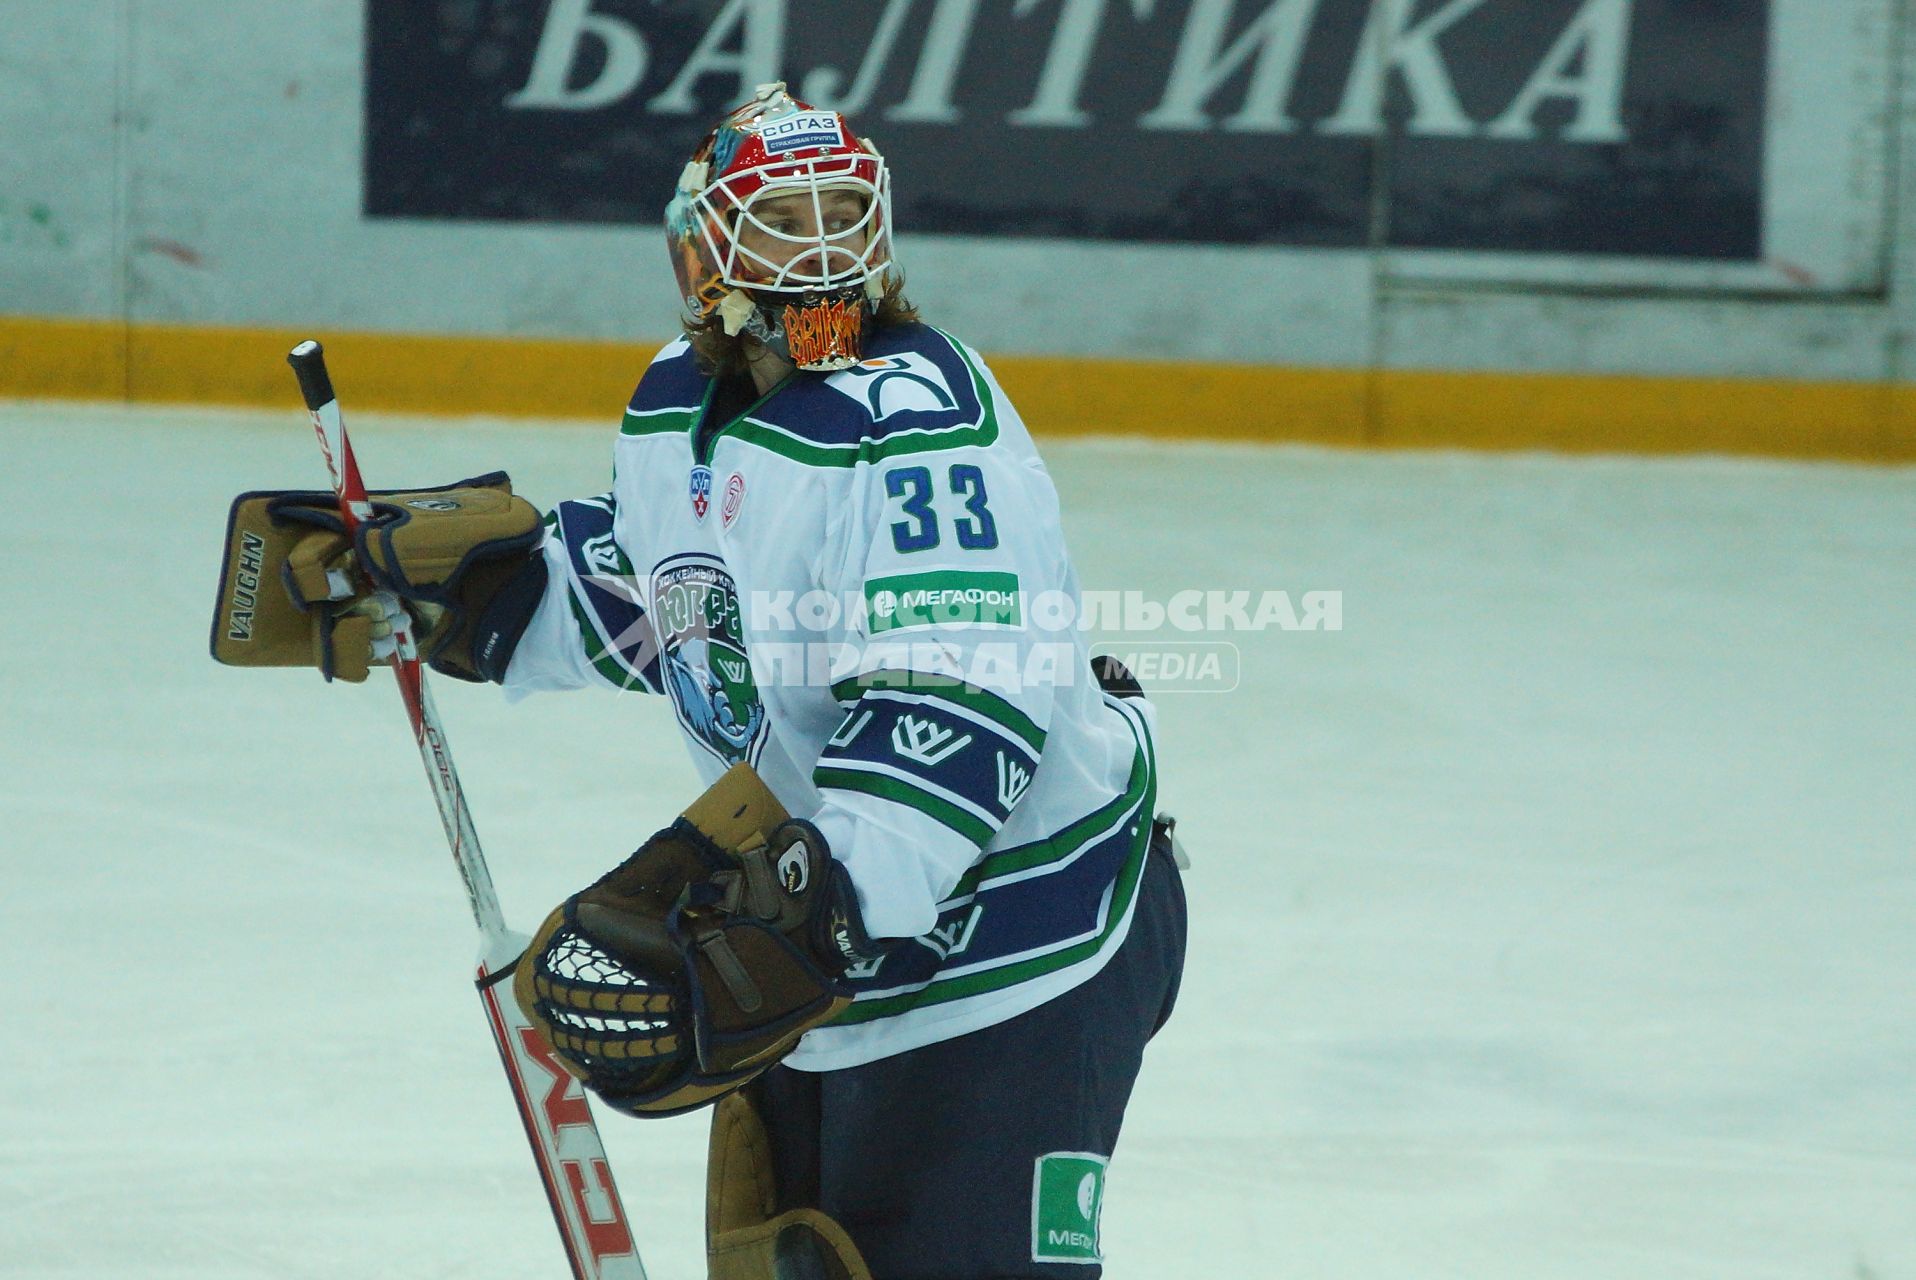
(1067, 1195)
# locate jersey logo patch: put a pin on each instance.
(706, 669)
(734, 497)
(700, 484)
(864, 969)
(906, 383)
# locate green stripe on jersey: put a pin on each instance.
(770, 436)
(1063, 844)
(659, 422)
(897, 790)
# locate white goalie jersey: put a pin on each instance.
(859, 585)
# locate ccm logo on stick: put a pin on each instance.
(563, 1106)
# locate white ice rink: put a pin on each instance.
(1554, 919)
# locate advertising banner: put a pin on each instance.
(1584, 127)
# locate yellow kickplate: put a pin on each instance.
(1056, 396)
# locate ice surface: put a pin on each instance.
(1555, 918)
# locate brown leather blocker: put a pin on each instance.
(446, 550)
(255, 622)
(745, 1235)
(426, 538)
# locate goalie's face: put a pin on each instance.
(803, 238)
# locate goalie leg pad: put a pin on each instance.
(746, 1237)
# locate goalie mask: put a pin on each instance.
(781, 227)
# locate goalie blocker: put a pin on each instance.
(462, 558)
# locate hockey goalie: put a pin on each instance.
(912, 941)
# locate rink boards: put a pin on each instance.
(1584, 241)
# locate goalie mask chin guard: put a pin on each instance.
(781, 228)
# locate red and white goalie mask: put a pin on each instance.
(781, 226)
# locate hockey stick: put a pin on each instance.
(558, 1122)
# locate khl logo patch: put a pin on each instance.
(1067, 1196)
(701, 484)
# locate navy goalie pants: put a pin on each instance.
(982, 1157)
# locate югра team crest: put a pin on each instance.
(695, 608)
(701, 484)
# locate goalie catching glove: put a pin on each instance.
(296, 590)
(699, 961)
